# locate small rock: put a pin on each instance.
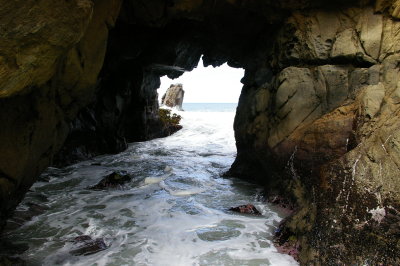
(112, 180)
(248, 209)
(88, 245)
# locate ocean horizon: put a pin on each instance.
(209, 107)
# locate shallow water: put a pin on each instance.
(174, 211)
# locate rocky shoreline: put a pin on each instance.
(317, 121)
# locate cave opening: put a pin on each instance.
(207, 84)
(205, 99)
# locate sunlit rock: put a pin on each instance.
(173, 97)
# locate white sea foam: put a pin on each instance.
(155, 179)
(168, 169)
(186, 192)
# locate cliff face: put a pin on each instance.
(324, 127)
(317, 117)
(51, 53)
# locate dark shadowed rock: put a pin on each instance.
(7, 247)
(9, 252)
(248, 209)
(112, 180)
(282, 202)
(11, 261)
(173, 97)
(87, 245)
(286, 242)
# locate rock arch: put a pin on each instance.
(318, 113)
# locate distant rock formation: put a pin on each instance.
(174, 96)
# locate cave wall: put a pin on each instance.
(317, 116)
(144, 44)
(51, 53)
(324, 127)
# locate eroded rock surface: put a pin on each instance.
(51, 54)
(328, 127)
(317, 121)
(173, 97)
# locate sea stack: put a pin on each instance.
(173, 97)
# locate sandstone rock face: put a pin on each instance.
(329, 125)
(317, 120)
(52, 27)
(48, 71)
(173, 97)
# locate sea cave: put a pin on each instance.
(316, 126)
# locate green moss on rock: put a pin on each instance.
(169, 121)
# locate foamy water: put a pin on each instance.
(174, 211)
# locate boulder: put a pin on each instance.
(111, 181)
(174, 96)
(247, 209)
(87, 245)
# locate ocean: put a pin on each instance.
(175, 210)
(209, 107)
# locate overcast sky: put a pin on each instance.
(208, 85)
